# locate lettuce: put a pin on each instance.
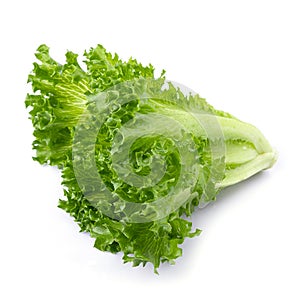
(137, 153)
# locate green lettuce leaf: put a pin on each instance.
(137, 153)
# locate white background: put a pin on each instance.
(243, 57)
